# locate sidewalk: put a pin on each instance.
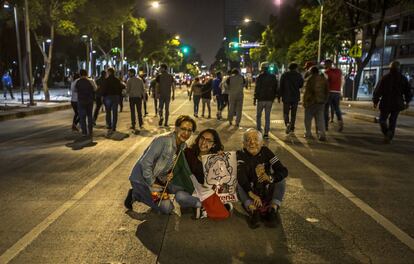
(12, 109)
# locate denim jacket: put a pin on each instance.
(156, 161)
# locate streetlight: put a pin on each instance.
(247, 20)
(6, 5)
(177, 37)
(320, 31)
(155, 4)
(383, 46)
(85, 39)
(28, 50)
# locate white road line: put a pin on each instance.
(27, 239)
(380, 219)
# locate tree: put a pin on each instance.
(48, 17)
(113, 14)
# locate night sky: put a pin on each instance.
(200, 22)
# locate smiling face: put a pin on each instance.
(184, 131)
(252, 143)
(205, 143)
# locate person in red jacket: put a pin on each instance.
(334, 76)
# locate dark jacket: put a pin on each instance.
(392, 91)
(195, 164)
(246, 168)
(290, 84)
(207, 87)
(266, 87)
(85, 90)
(112, 86)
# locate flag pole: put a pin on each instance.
(172, 170)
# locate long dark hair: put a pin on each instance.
(217, 142)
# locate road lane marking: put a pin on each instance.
(28, 238)
(380, 219)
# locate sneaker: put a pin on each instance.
(308, 136)
(75, 128)
(322, 138)
(265, 136)
(128, 200)
(160, 122)
(254, 220)
(271, 217)
(229, 207)
(200, 213)
(340, 126)
(287, 129)
(209, 116)
(231, 123)
(132, 127)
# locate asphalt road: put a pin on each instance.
(348, 200)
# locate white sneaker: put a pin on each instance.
(200, 213)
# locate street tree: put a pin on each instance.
(48, 18)
(103, 22)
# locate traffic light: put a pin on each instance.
(185, 50)
(234, 45)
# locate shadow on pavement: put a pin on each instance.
(184, 240)
(117, 136)
(80, 143)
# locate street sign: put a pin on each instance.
(356, 51)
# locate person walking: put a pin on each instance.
(206, 97)
(334, 76)
(98, 96)
(393, 93)
(235, 89)
(85, 87)
(111, 89)
(135, 91)
(7, 85)
(264, 93)
(290, 84)
(145, 99)
(314, 100)
(74, 101)
(217, 93)
(196, 91)
(154, 94)
(224, 91)
(165, 82)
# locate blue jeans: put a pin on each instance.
(164, 101)
(196, 99)
(267, 106)
(111, 107)
(388, 122)
(183, 198)
(85, 112)
(279, 189)
(141, 193)
(333, 101)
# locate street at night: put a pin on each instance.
(345, 197)
(206, 131)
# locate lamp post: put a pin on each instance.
(320, 31)
(29, 51)
(122, 51)
(19, 50)
(383, 47)
(85, 40)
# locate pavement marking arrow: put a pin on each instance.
(380, 219)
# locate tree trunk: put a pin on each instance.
(47, 60)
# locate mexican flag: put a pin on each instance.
(182, 174)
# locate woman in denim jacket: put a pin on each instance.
(155, 165)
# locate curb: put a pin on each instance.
(24, 112)
(350, 105)
(363, 117)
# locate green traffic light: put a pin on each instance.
(185, 50)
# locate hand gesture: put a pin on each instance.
(256, 200)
